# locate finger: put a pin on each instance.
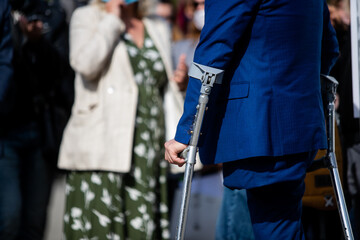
(182, 63)
(182, 66)
(174, 159)
(182, 58)
(167, 157)
(178, 161)
(179, 76)
(180, 165)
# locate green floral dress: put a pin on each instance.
(108, 205)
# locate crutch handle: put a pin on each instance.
(184, 154)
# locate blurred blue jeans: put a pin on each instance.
(234, 221)
(25, 182)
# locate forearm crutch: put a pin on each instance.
(330, 85)
(208, 76)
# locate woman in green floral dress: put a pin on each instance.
(132, 205)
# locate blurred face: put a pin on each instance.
(192, 6)
(338, 16)
(164, 10)
(199, 4)
(199, 14)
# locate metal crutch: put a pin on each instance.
(330, 85)
(208, 76)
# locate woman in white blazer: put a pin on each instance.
(112, 145)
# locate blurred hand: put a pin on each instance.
(32, 30)
(338, 16)
(181, 73)
(114, 7)
(172, 151)
(337, 101)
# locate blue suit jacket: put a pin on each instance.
(272, 52)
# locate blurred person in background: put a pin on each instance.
(349, 126)
(6, 73)
(113, 144)
(38, 102)
(165, 10)
(6, 54)
(183, 49)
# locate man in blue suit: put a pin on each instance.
(265, 121)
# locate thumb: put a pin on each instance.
(182, 62)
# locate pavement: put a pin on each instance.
(54, 225)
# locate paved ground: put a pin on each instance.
(54, 226)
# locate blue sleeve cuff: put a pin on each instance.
(184, 127)
(183, 135)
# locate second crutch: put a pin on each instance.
(329, 85)
(208, 77)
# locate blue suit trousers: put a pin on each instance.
(275, 211)
(274, 188)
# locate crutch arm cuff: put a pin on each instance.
(206, 74)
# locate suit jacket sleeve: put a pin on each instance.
(225, 24)
(6, 49)
(330, 48)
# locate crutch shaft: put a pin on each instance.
(189, 168)
(335, 177)
(331, 127)
(340, 199)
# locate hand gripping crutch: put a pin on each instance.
(208, 76)
(329, 86)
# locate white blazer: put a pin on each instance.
(99, 134)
